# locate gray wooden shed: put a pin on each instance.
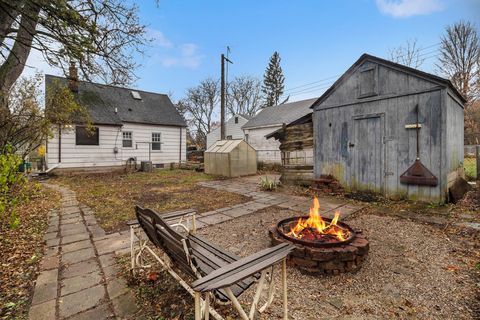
(230, 158)
(365, 129)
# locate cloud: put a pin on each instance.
(184, 55)
(408, 8)
(168, 54)
(159, 39)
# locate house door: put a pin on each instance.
(368, 154)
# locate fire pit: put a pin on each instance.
(323, 245)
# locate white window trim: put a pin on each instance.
(131, 134)
(152, 142)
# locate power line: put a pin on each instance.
(336, 76)
(308, 84)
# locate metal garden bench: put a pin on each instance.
(219, 276)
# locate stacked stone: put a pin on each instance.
(327, 260)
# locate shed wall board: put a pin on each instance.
(454, 151)
(441, 134)
(73, 156)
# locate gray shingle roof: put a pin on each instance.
(101, 100)
(283, 113)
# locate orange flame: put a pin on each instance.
(316, 223)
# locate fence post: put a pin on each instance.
(477, 156)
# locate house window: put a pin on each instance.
(236, 120)
(127, 141)
(246, 137)
(86, 136)
(156, 141)
(368, 83)
(229, 137)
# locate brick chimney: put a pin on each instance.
(73, 77)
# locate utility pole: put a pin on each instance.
(222, 100)
(222, 97)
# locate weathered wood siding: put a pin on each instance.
(363, 142)
(74, 156)
(454, 151)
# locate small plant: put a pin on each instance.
(12, 186)
(267, 184)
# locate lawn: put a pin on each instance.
(21, 250)
(470, 168)
(113, 196)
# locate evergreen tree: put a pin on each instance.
(273, 81)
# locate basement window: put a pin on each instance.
(87, 137)
(368, 83)
(156, 141)
(229, 137)
(127, 141)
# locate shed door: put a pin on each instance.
(368, 153)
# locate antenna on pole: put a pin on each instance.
(223, 94)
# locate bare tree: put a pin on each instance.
(27, 124)
(460, 59)
(244, 96)
(408, 54)
(198, 108)
(102, 36)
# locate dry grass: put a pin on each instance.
(113, 196)
(21, 251)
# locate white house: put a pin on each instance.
(269, 120)
(233, 129)
(127, 123)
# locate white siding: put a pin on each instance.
(73, 156)
(268, 150)
(231, 129)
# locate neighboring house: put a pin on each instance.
(371, 123)
(127, 123)
(269, 120)
(233, 129)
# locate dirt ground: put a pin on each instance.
(413, 271)
(113, 196)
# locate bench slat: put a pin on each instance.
(242, 268)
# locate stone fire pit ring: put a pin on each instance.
(333, 259)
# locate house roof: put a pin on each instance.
(280, 114)
(364, 57)
(101, 100)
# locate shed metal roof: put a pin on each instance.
(280, 114)
(113, 105)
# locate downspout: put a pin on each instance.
(180, 153)
(59, 143)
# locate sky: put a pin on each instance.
(317, 40)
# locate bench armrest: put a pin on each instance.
(243, 268)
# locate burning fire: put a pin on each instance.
(315, 228)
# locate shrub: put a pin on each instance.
(12, 186)
(267, 184)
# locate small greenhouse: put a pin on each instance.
(230, 158)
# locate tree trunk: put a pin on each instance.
(13, 66)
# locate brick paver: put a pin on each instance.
(78, 272)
